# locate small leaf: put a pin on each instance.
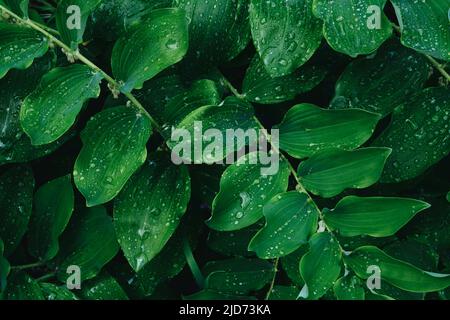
(286, 34)
(349, 288)
(238, 276)
(425, 26)
(53, 206)
(102, 287)
(398, 273)
(374, 216)
(113, 149)
(307, 129)
(50, 110)
(284, 293)
(159, 41)
(290, 219)
(261, 88)
(353, 27)
(71, 19)
(329, 173)
(22, 287)
(417, 124)
(290, 265)
(379, 84)
(54, 292)
(244, 190)
(89, 242)
(19, 46)
(16, 199)
(321, 266)
(148, 210)
(19, 7)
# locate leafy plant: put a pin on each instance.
(92, 176)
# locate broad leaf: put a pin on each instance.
(148, 210)
(53, 206)
(102, 287)
(286, 34)
(89, 242)
(307, 129)
(400, 274)
(353, 27)
(71, 19)
(380, 83)
(329, 173)
(349, 288)
(19, 7)
(291, 263)
(418, 124)
(208, 295)
(16, 199)
(19, 46)
(373, 216)
(113, 149)
(261, 88)
(244, 190)
(22, 287)
(160, 41)
(284, 293)
(290, 219)
(425, 26)
(54, 292)
(50, 110)
(321, 266)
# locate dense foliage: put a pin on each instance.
(91, 91)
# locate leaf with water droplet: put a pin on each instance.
(286, 34)
(19, 7)
(53, 292)
(290, 265)
(349, 287)
(22, 287)
(102, 287)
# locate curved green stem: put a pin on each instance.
(46, 277)
(272, 283)
(192, 263)
(28, 266)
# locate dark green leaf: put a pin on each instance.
(102, 287)
(212, 295)
(349, 288)
(54, 292)
(19, 7)
(22, 287)
(5, 268)
(284, 293)
(233, 243)
(291, 263)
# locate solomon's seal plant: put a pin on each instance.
(224, 149)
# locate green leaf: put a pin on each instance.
(19, 46)
(307, 129)
(5, 268)
(208, 295)
(22, 287)
(53, 206)
(261, 88)
(160, 41)
(373, 216)
(398, 273)
(418, 124)
(19, 7)
(353, 27)
(380, 83)
(16, 199)
(290, 265)
(89, 242)
(425, 26)
(238, 276)
(290, 220)
(284, 293)
(113, 149)
(321, 266)
(102, 287)
(244, 190)
(349, 288)
(286, 34)
(50, 110)
(54, 292)
(218, 30)
(329, 173)
(148, 210)
(232, 114)
(71, 19)
(233, 243)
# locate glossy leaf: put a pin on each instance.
(19, 7)
(102, 287)
(425, 26)
(148, 210)
(353, 27)
(329, 173)
(16, 199)
(400, 274)
(291, 263)
(418, 135)
(244, 190)
(349, 288)
(208, 295)
(22, 287)
(19, 46)
(290, 219)
(286, 34)
(284, 293)
(50, 110)
(113, 149)
(307, 129)
(160, 41)
(321, 266)
(373, 216)
(54, 292)
(53, 206)
(380, 83)
(89, 242)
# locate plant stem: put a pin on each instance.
(192, 263)
(78, 56)
(46, 277)
(28, 266)
(272, 283)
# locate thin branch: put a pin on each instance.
(46, 277)
(28, 266)
(272, 283)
